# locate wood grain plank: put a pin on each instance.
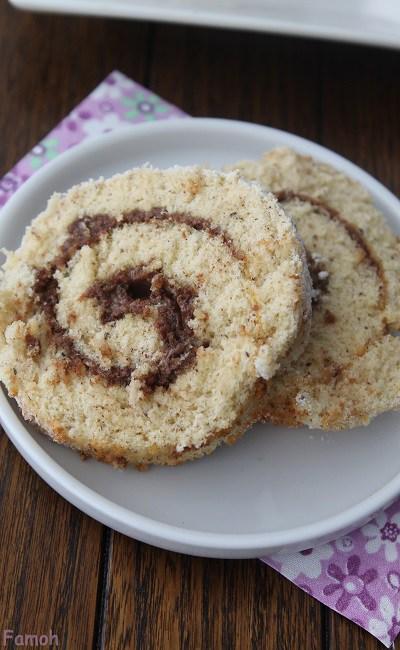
(50, 63)
(158, 599)
(360, 101)
(345, 634)
(255, 77)
(49, 557)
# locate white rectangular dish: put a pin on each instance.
(372, 22)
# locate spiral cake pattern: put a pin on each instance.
(141, 312)
(350, 369)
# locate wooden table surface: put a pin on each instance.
(59, 569)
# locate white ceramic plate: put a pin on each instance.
(276, 487)
(373, 22)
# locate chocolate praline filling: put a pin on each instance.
(353, 232)
(136, 291)
(133, 290)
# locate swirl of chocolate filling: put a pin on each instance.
(321, 281)
(130, 291)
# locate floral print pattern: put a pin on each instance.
(387, 627)
(144, 105)
(351, 584)
(308, 563)
(43, 152)
(116, 102)
(344, 544)
(383, 532)
(393, 578)
(359, 574)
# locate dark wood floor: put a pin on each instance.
(58, 568)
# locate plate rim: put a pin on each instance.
(145, 528)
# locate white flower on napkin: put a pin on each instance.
(112, 87)
(344, 544)
(307, 562)
(386, 628)
(96, 126)
(107, 92)
(383, 531)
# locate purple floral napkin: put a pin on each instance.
(357, 575)
(116, 102)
